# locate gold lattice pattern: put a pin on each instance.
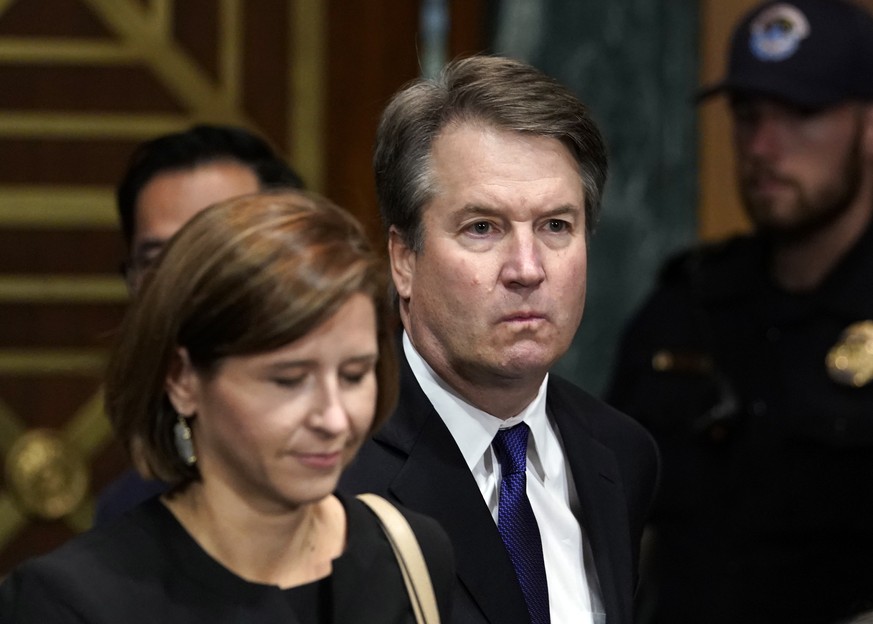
(45, 466)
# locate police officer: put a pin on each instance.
(752, 361)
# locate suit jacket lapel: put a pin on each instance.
(435, 481)
(604, 510)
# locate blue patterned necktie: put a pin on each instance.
(517, 524)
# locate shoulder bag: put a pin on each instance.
(409, 558)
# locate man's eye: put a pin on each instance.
(481, 227)
(742, 113)
(557, 225)
(146, 261)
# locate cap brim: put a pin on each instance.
(707, 92)
(790, 91)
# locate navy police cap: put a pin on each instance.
(810, 53)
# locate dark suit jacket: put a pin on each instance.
(414, 460)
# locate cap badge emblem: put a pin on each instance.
(777, 32)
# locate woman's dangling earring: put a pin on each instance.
(184, 441)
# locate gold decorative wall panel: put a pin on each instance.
(81, 82)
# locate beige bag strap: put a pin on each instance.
(409, 557)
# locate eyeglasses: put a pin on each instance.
(140, 264)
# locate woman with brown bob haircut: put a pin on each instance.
(255, 361)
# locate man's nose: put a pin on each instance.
(523, 266)
(765, 137)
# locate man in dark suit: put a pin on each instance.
(489, 180)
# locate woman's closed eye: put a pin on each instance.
(289, 381)
(356, 373)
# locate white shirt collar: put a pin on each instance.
(551, 491)
(473, 429)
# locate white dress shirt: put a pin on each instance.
(574, 592)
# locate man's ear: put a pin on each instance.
(182, 383)
(402, 263)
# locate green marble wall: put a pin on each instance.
(634, 62)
